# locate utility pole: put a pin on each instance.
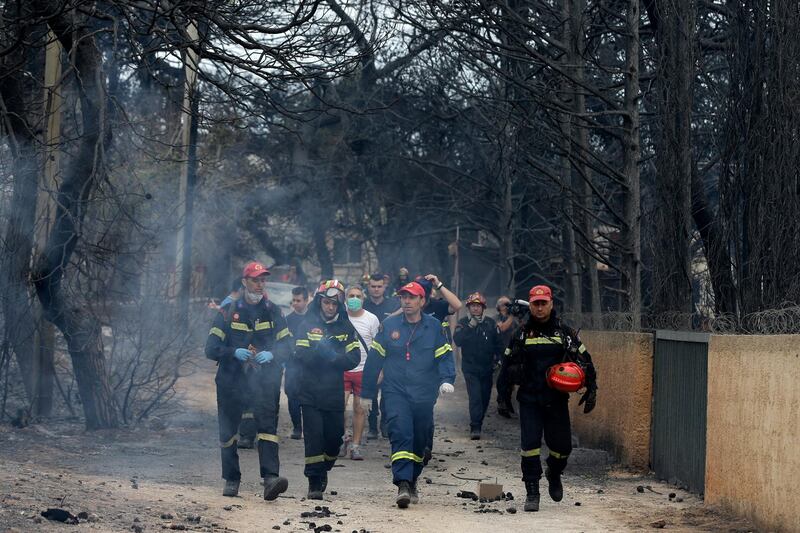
(183, 256)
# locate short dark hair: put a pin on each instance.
(236, 285)
(377, 277)
(300, 291)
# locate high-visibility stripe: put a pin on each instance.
(378, 348)
(443, 349)
(315, 459)
(314, 336)
(352, 346)
(559, 455)
(329, 457)
(267, 436)
(507, 352)
(581, 349)
(396, 456)
(247, 416)
(240, 326)
(263, 325)
(542, 340)
(230, 442)
(218, 332)
(283, 333)
(531, 453)
(340, 337)
(445, 324)
(302, 342)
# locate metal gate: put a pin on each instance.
(680, 384)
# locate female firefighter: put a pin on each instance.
(547, 360)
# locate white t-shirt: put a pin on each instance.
(367, 326)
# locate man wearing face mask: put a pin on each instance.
(249, 341)
(481, 349)
(367, 326)
(326, 347)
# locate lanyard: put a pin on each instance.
(408, 342)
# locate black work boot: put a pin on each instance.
(273, 486)
(245, 442)
(412, 492)
(475, 434)
(403, 494)
(231, 488)
(532, 499)
(554, 486)
(314, 488)
(324, 481)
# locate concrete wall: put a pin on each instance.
(620, 424)
(753, 437)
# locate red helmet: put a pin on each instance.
(566, 377)
(331, 288)
(476, 298)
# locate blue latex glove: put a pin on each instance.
(326, 350)
(263, 357)
(242, 354)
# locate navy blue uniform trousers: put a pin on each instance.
(410, 425)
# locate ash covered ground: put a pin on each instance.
(168, 478)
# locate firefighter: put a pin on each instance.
(540, 343)
(250, 341)
(326, 347)
(417, 363)
(481, 350)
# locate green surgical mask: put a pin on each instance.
(354, 304)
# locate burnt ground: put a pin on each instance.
(154, 479)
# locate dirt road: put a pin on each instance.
(151, 480)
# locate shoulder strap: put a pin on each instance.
(361, 339)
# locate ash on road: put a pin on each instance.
(169, 479)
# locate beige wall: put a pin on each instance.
(753, 436)
(620, 424)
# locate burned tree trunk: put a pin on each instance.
(631, 234)
(20, 108)
(674, 23)
(18, 334)
(81, 331)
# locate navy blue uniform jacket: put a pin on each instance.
(415, 359)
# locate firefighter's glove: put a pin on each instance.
(446, 388)
(589, 398)
(242, 354)
(264, 357)
(326, 350)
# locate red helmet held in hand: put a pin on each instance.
(566, 377)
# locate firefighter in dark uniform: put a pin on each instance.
(416, 358)
(481, 350)
(250, 341)
(326, 346)
(541, 342)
